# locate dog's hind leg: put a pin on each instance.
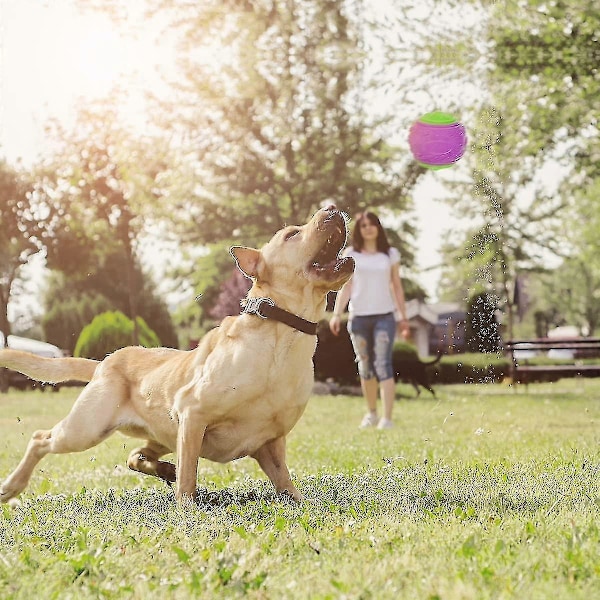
(423, 380)
(271, 458)
(52, 441)
(145, 460)
(91, 420)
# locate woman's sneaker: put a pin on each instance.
(385, 424)
(369, 420)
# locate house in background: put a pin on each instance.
(437, 328)
(449, 334)
(434, 328)
(422, 321)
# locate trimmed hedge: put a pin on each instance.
(110, 331)
(334, 359)
(472, 367)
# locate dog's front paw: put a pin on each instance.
(293, 496)
(7, 496)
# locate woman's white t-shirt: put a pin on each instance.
(371, 282)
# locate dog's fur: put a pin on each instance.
(239, 393)
(414, 371)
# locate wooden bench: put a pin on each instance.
(579, 349)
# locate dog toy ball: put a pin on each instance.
(437, 140)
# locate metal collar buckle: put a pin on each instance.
(252, 306)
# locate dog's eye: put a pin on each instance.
(290, 234)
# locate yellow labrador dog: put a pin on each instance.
(239, 393)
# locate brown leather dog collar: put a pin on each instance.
(265, 309)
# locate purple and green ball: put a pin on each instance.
(437, 140)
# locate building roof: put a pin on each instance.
(443, 308)
(417, 309)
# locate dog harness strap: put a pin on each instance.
(265, 309)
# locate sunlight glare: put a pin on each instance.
(54, 57)
(99, 59)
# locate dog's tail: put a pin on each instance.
(50, 370)
(434, 361)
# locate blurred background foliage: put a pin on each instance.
(270, 110)
(110, 331)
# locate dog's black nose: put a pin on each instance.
(330, 207)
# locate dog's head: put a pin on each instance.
(300, 257)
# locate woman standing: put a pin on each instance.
(376, 294)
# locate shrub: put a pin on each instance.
(471, 367)
(334, 356)
(482, 329)
(334, 359)
(232, 290)
(403, 352)
(110, 331)
(64, 321)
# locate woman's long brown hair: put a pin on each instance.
(358, 242)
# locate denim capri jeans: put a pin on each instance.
(373, 339)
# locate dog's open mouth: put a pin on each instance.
(327, 262)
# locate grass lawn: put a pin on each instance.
(486, 492)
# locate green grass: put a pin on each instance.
(486, 492)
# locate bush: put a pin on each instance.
(482, 329)
(110, 331)
(71, 303)
(471, 367)
(334, 359)
(64, 321)
(403, 352)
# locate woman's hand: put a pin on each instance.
(335, 324)
(404, 329)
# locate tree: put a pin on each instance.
(276, 126)
(482, 330)
(232, 290)
(514, 217)
(71, 303)
(575, 284)
(98, 187)
(548, 56)
(19, 234)
(266, 119)
(19, 240)
(540, 125)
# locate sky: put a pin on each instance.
(53, 57)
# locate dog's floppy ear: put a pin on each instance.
(247, 260)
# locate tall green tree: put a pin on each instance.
(576, 282)
(547, 54)
(482, 331)
(266, 120)
(98, 188)
(20, 234)
(514, 219)
(544, 94)
(19, 240)
(268, 108)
